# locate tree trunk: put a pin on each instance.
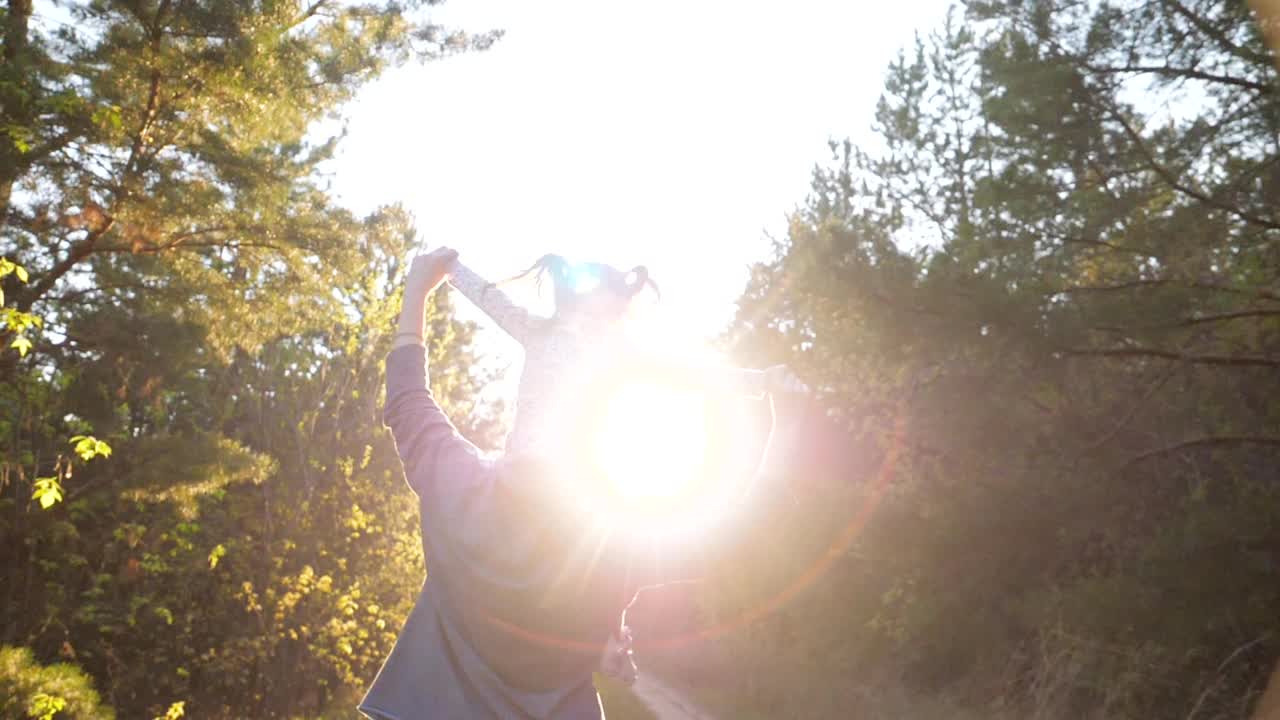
(13, 111)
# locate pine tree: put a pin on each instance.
(1048, 297)
(248, 549)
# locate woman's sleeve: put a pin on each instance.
(428, 443)
(513, 319)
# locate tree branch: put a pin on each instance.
(1128, 416)
(1173, 182)
(79, 251)
(154, 249)
(1220, 317)
(1192, 321)
(1262, 293)
(1212, 32)
(1139, 352)
(1182, 72)
(86, 247)
(1257, 292)
(308, 13)
(1113, 288)
(1208, 441)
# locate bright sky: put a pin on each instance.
(665, 133)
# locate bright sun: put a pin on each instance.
(652, 442)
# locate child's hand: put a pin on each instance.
(428, 271)
(779, 380)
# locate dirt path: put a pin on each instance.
(666, 702)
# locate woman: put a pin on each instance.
(513, 617)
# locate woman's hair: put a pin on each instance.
(572, 281)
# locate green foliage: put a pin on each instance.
(88, 447)
(12, 320)
(47, 492)
(20, 137)
(22, 344)
(9, 267)
(31, 690)
(1043, 307)
(176, 710)
(227, 524)
(279, 552)
(44, 707)
(217, 553)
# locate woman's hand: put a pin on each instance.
(428, 271)
(425, 274)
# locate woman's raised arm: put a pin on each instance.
(425, 439)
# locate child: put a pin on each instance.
(564, 354)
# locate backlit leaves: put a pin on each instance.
(13, 320)
(176, 711)
(47, 491)
(88, 447)
(219, 325)
(22, 344)
(44, 706)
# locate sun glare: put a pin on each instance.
(652, 442)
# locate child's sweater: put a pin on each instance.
(559, 359)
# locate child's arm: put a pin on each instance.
(744, 382)
(513, 319)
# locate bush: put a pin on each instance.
(31, 690)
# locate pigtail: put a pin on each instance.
(560, 271)
(641, 281)
(557, 267)
(550, 264)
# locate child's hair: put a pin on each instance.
(569, 278)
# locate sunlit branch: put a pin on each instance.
(1140, 352)
(1182, 72)
(1210, 441)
